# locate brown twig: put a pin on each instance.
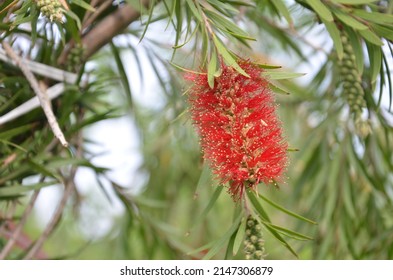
(109, 27)
(69, 187)
(17, 231)
(104, 31)
(43, 98)
(8, 216)
(90, 17)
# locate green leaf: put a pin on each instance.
(15, 131)
(228, 26)
(265, 218)
(179, 24)
(290, 213)
(282, 8)
(42, 169)
(147, 24)
(229, 60)
(223, 7)
(204, 178)
(335, 35)
(72, 15)
(194, 10)
(122, 73)
(375, 55)
(354, 2)
(383, 31)
(347, 198)
(371, 37)
(374, 16)
(206, 46)
(239, 236)
(184, 69)
(149, 202)
(321, 9)
(212, 69)
(8, 143)
(267, 66)
(390, 91)
(17, 190)
(332, 196)
(221, 242)
(209, 206)
(228, 254)
(277, 89)
(202, 248)
(64, 162)
(289, 233)
(282, 75)
(187, 39)
(84, 5)
(350, 21)
(254, 200)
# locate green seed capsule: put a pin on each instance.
(344, 39)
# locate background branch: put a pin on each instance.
(43, 98)
(105, 30)
(17, 231)
(109, 27)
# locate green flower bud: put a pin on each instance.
(254, 239)
(363, 128)
(352, 89)
(258, 255)
(254, 243)
(52, 9)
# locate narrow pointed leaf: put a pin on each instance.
(350, 21)
(321, 9)
(229, 60)
(282, 75)
(335, 35)
(16, 190)
(297, 216)
(211, 69)
(239, 236)
(225, 238)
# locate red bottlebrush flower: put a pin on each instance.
(240, 133)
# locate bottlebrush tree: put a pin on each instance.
(284, 105)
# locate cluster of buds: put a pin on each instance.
(52, 9)
(254, 245)
(75, 57)
(352, 86)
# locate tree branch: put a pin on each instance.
(17, 231)
(42, 96)
(104, 31)
(109, 27)
(69, 187)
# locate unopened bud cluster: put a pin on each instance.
(52, 9)
(75, 58)
(352, 86)
(254, 244)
